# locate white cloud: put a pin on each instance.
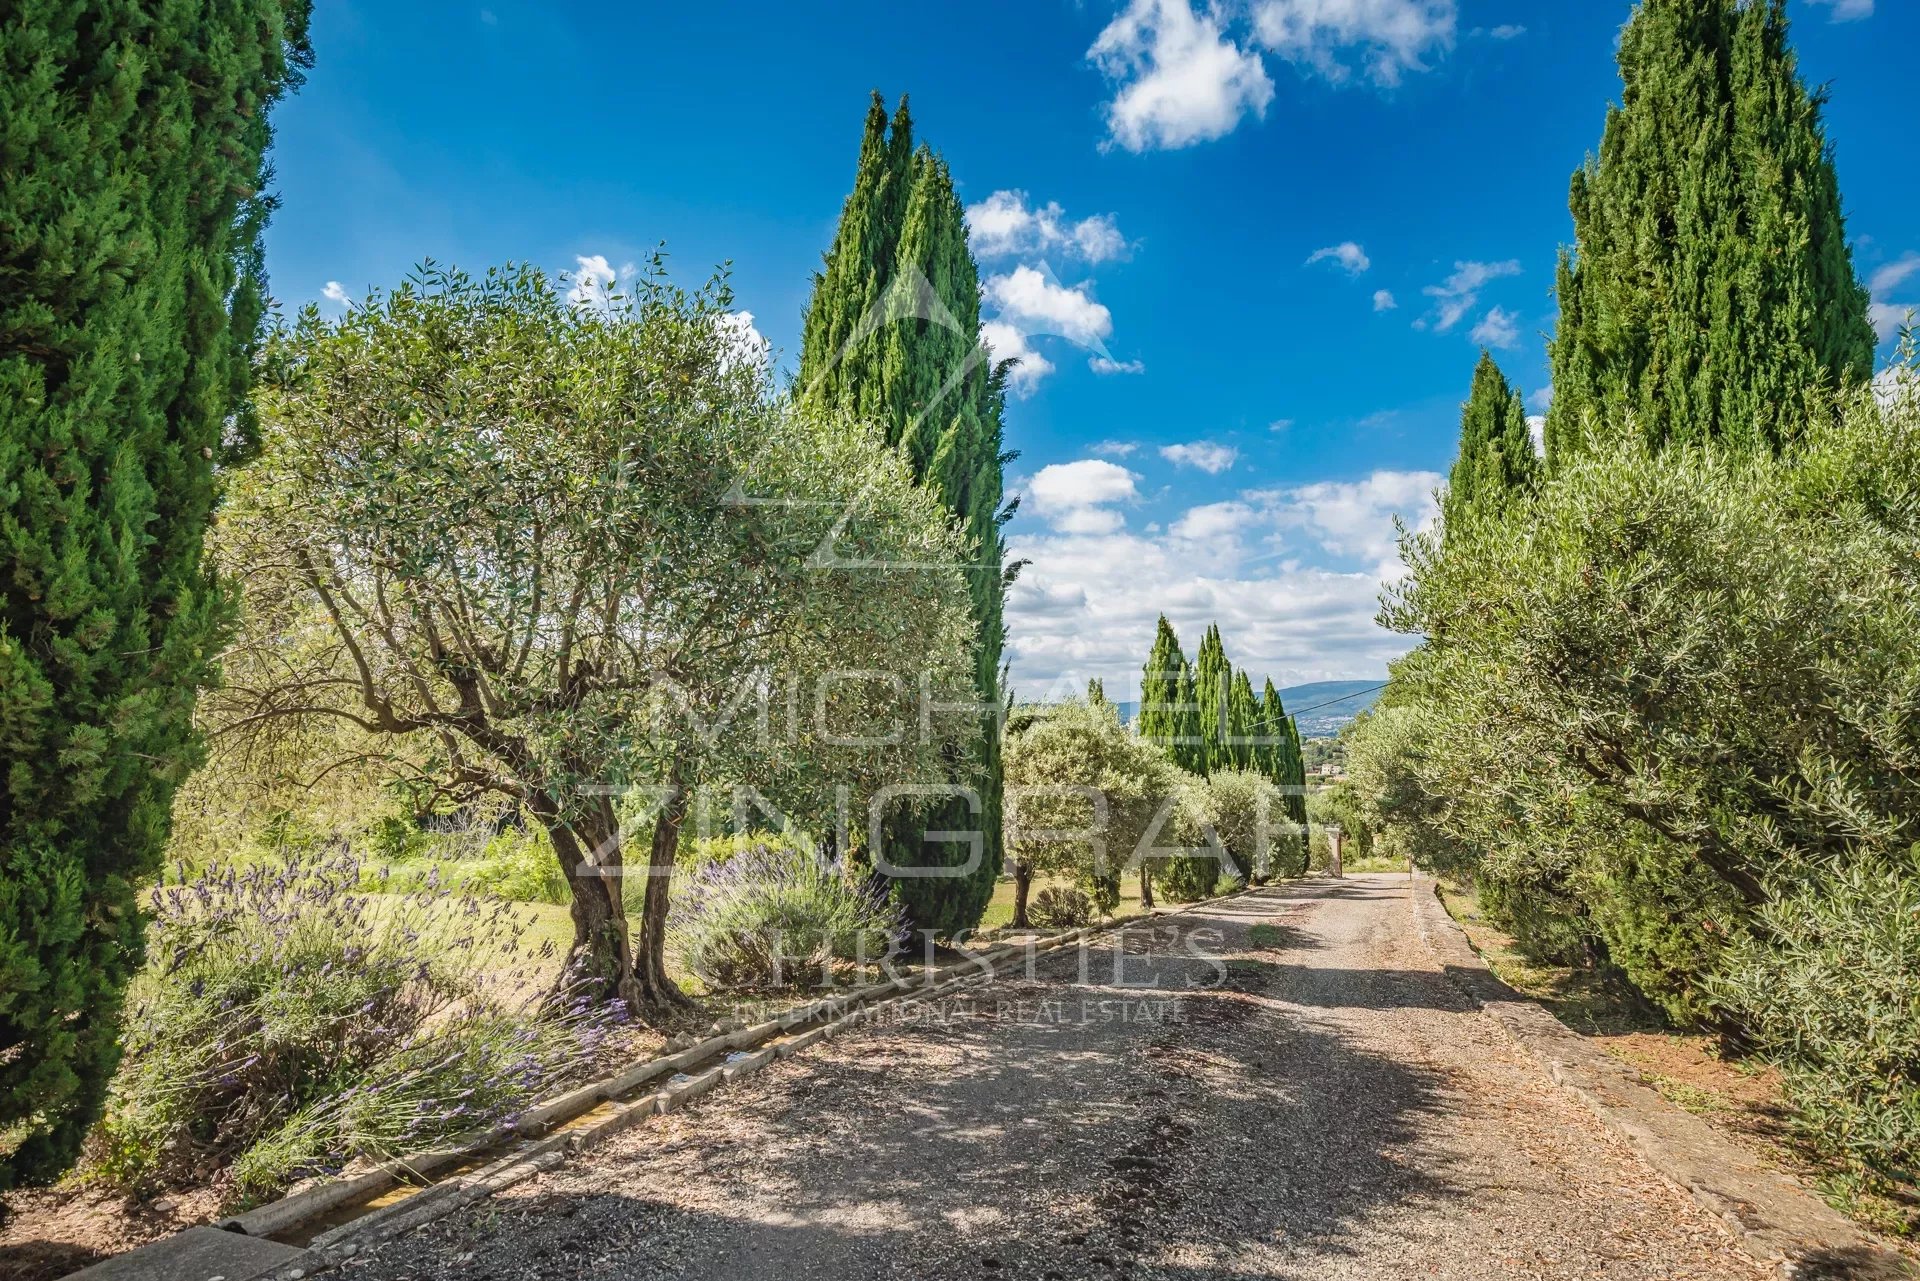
(1113, 448)
(1349, 255)
(1537, 429)
(1209, 457)
(1107, 365)
(1848, 10)
(1007, 342)
(1038, 304)
(1886, 313)
(1005, 224)
(1498, 328)
(1455, 298)
(1387, 38)
(1887, 317)
(1507, 31)
(1354, 519)
(591, 281)
(745, 344)
(1542, 399)
(1076, 498)
(1181, 80)
(1213, 521)
(1087, 604)
(1887, 278)
(1383, 300)
(1280, 424)
(336, 292)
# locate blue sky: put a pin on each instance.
(1249, 251)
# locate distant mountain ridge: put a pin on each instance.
(1319, 708)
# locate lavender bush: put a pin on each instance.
(777, 916)
(289, 1022)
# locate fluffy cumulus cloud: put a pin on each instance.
(1537, 429)
(1498, 328)
(1291, 575)
(1206, 455)
(336, 292)
(1454, 298)
(744, 343)
(1079, 497)
(1381, 40)
(1180, 79)
(1886, 311)
(1006, 224)
(1383, 300)
(1351, 257)
(1007, 342)
(592, 281)
(1040, 304)
(1355, 519)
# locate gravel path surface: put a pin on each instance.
(1332, 1109)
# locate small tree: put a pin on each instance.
(1250, 817)
(560, 548)
(1083, 794)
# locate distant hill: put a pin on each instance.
(1320, 709)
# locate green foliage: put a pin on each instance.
(1084, 793)
(1828, 983)
(1191, 826)
(777, 917)
(574, 601)
(1668, 691)
(1711, 287)
(1169, 717)
(892, 338)
(1250, 817)
(289, 1023)
(1496, 458)
(1065, 908)
(131, 292)
(1212, 682)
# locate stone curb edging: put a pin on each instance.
(529, 1156)
(1771, 1216)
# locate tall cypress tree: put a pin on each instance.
(1213, 677)
(1496, 449)
(1710, 287)
(131, 295)
(1243, 724)
(1281, 758)
(892, 336)
(1168, 714)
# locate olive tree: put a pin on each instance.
(1085, 798)
(566, 549)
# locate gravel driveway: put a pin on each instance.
(1331, 1108)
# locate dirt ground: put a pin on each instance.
(1282, 1085)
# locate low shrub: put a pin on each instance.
(1061, 908)
(1829, 986)
(777, 917)
(289, 1023)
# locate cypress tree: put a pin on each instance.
(1496, 449)
(892, 336)
(1167, 715)
(131, 294)
(1281, 759)
(1189, 749)
(1710, 287)
(1213, 677)
(1243, 724)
